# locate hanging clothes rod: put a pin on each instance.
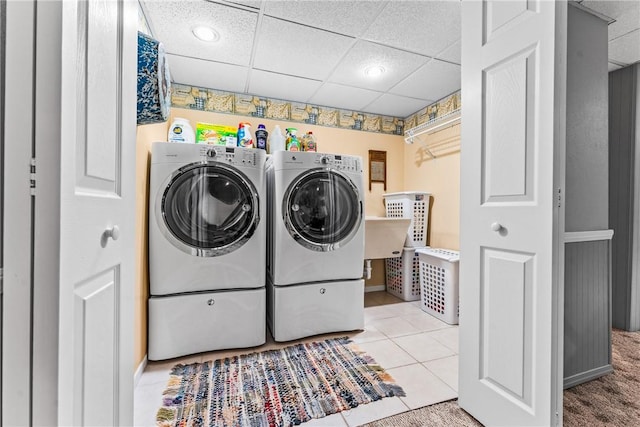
(432, 126)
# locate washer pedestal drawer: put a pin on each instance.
(298, 311)
(199, 322)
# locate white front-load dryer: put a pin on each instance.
(207, 249)
(315, 244)
(316, 217)
(206, 218)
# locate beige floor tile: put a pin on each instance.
(393, 326)
(387, 354)
(423, 347)
(403, 309)
(421, 386)
(388, 298)
(369, 334)
(425, 322)
(446, 369)
(448, 337)
(378, 312)
(147, 401)
(374, 411)
(158, 372)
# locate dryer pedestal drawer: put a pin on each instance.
(299, 311)
(193, 323)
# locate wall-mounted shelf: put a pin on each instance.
(438, 147)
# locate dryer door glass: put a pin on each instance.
(322, 210)
(210, 209)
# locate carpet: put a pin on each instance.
(611, 400)
(274, 388)
(441, 414)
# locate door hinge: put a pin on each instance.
(32, 176)
(559, 197)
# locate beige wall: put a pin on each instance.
(440, 177)
(145, 136)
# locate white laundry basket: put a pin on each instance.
(439, 288)
(414, 205)
(403, 275)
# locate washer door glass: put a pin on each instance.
(209, 209)
(322, 209)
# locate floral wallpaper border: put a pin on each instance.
(198, 98)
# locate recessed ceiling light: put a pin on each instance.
(374, 71)
(206, 34)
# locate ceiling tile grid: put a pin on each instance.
(397, 64)
(298, 50)
(434, 80)
(396, 106)
(626, 49)
(350, 18)
(264, 83)
(347, 97)
(425, 27)
(316, 51)
(216, 75)
(626, 14)
(172, 22)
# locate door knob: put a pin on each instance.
(496, 226)
(113, 232)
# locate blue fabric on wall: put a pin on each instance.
(154, 81)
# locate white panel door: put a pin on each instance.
(99, 49)
(510, 313)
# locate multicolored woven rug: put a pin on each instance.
(274, 388)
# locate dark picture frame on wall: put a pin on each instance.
(378, 168)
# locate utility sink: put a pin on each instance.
(384, 237)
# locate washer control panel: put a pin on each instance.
(236, 156)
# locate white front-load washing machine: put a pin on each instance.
(207, 234)
(315, 244)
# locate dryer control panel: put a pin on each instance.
(339, 162)
(236, 156)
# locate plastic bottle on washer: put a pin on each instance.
(276, 140)
(181, 131)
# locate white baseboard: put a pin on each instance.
(375, 288)
(139, 371)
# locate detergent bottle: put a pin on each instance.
(245, 139)
(181, 131)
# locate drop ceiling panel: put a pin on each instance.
(397, 64)
(434, 80)
(626, 13)
(214, 75)
(451, 54)
(626, 49)
(613, 67)
(172, 21)
(280, 86)
(294, 49)
(344, 97)
(344, 17)
(419, 26)
(397, 106)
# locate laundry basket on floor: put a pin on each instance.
(414, 205)
(439, 283)
(403, 275)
